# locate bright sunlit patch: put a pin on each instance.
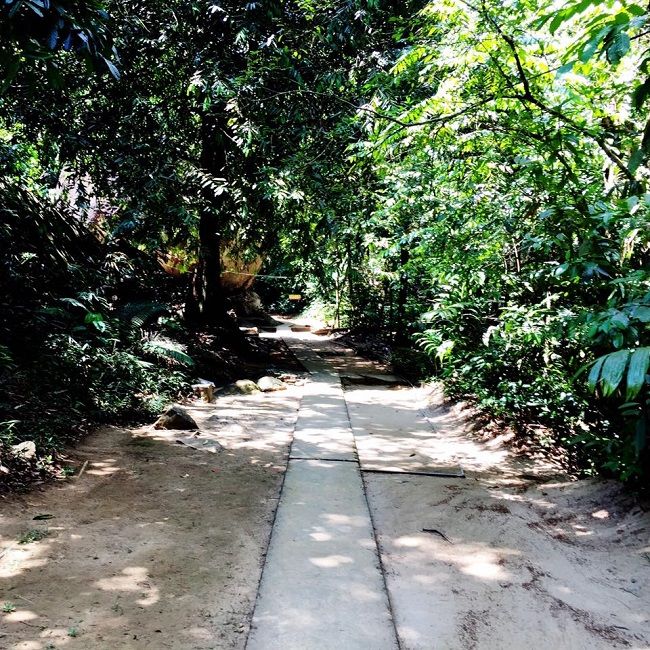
(600, 514)
(331, 561)
(19, 559)
(20, 616)
(132, 579)
(200, 633)
(344, 520)
(101, 468)
(362, 593)
(149, 597)
(409, 542)
(28, 645)
(477, 561)
(484, 569)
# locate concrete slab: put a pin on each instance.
(322, 586)
(392, 433)
(323, 428)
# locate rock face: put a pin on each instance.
(25, 450)
(246, 386)
(174, 417)
(270, 384)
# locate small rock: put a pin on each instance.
(174, 417)
(25, 450)
(269, 384)
(246, 386)
(200, 444)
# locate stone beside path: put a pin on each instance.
(322, 585)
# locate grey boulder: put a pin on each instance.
(174, 417)
(25, 450)
(270, 384)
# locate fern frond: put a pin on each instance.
(170, 350)
(138, 314)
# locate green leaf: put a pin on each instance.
(93, 317)
(612, 371)
(640, 438)
(564, 15)
(618, 48)
(594, 373)
(112, 68)
(635, 160)
(636, 374)
(640, 94)
(635, 10)
(556, 22)
(567, 67)
(168, 350)
(641, 313)
(592, 44)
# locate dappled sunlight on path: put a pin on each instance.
(510, 572)
(157, 545)
(514, 555)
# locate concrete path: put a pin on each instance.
(393, 434)
(322, 585)
(514, 555)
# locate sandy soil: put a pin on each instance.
(516, 555)
(157, 545)
(161, 546)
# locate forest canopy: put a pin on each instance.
(466, 181)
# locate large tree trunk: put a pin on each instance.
(207, 292)
(206, 305)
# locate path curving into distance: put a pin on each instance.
(322, 585)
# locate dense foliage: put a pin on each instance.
(496, 213)
(466, 180)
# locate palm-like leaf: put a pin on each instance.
(609, 371)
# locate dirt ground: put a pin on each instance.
(515, 555)
(558, 566)
(157, 545)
